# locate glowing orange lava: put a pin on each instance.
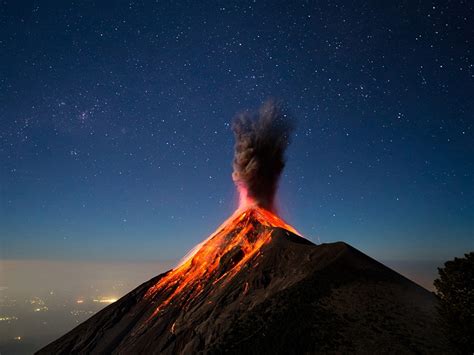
(219, 257)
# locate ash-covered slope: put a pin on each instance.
(256, 287)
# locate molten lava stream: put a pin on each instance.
(238, 234)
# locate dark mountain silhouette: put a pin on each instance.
(256, 287)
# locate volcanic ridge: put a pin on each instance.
(256, 286)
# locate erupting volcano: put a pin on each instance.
(219, 258)
(257, 286)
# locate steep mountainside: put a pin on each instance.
(255, 286)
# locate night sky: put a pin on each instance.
(115, 137)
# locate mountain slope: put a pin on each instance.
(255, 286)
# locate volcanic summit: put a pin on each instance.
(256, 286)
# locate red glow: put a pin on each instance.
(241, 234)
(245, 201)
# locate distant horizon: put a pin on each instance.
(422, 272)
(46, 298)
(70, 291)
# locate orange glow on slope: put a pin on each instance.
(219, 257)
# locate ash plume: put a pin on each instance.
(261, 139)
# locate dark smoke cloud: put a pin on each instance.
(261, 140)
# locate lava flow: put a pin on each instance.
(261, 140)
(221, 256)
(256, 286)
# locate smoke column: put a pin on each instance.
(261, 139)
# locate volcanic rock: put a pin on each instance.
(256, 286)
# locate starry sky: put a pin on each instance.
(115, 137)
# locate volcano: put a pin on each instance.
(256, 286)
